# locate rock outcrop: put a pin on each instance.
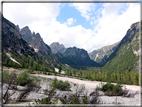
(34, 40)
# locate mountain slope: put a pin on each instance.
(42, 49)
(56, 47)
(79, 56)
(125, 57)
(16, 52)
(101, 55)
(12, 40)
(64, 60)
(14, 47)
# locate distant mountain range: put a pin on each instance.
(22, 44)
(79, 56)
(72, 55)
(100, 55)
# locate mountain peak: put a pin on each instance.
(37, 35)
(79, 56)
(35, 40)
(26, 27)
(17, 27)
(57, 47)
(26, 33)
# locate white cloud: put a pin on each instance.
(114, 26)
(31, 13)
(70, 21)
(84, 8)
(41, 18)
(69, 36)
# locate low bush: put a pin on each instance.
(9, 77)
(5, 75)
(44, 72)
(23, 79)
(61, 85)
(49, 73)
(112, 90)
(107, 86)
(29, 70)
(46, 100)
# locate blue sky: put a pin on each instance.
(67, 12)
(85, 25)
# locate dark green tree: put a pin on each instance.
(60, 68)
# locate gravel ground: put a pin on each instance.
(91, 85)
(88, 84)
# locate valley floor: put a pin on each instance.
(91, 85)
(88, 84)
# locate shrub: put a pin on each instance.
(49, 73)
(55, 73)
(29, 70)
(43, 101)
(5, 75)
(112, 90)
(44, 72)
(117, 90)
(107, 86)
(61, 85)
(23, 79)
(9, 78)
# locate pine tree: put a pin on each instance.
(53, 70)
(80, 72)
(60, 68)
(106, 75)
(74, 73)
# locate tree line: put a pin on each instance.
(127, 77)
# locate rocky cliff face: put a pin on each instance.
(101, 55)
(79, 56)
(57, 47)
(12, 40)
(35, 41)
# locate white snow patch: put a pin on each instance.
(12, 58)
(36, 50)
(137, 52)
(96, 57)
(57, 70)
(67, 65)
